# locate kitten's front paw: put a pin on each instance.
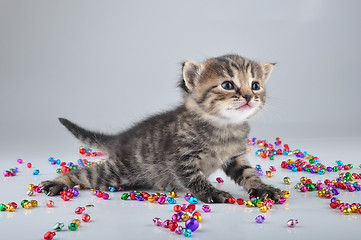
(216, 196)
(265, 191)
(53, 187)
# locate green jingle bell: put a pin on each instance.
(2, 207)
(72, 226)
(23, 201)
(125, 196)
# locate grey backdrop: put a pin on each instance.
(106, 64)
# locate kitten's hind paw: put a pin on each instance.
(265, 191)
(53, 187)
(216, 196)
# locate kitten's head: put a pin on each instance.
(225, 90)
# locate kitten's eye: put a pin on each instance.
(227, 85)
(256, 86)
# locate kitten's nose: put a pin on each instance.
(247, 97)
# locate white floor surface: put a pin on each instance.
(119, 219)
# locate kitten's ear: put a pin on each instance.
(267, 69)
(191, 73)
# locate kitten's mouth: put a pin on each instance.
(244, 107)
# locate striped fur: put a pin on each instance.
(182, 147)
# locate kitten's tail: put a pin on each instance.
(97, 140)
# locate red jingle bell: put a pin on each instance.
(79, 210)
(85, 218)
(49, 235)
(172, 226)
(231, 200)
(240, 201)
(177, 208)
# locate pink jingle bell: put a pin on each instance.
(292, 223)
(176, 218)
(219, 179)
(184, 207)
(157, 221)
(178, 230)
(161, 200)
(105, 196)
(206, 208)
(166, 223)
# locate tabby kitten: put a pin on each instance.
(182, 147)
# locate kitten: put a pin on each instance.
(182, 147)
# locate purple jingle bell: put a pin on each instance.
(260, 219)
(192, 224)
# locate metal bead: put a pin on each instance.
(10, 208)
(72, 226)
(85, 218)
(260, 219)
(303, 179)
(282, 200)
(259, 204)
(157, 221)
(34, 203)
(77, 222)
(125, 196)
(50, 203)
(166, 223)
(187, 232)
(193, 200)
(287, 180)
(30, 193)
(2, 207)
(172, 226)
(248, 203)
(198, 217)
(27, 205)
(171, 200)
(263, 209)
(178, 230)
(49, 235)
(58, 226)
(185, 216)
(177, 208)
(206, 208)
(23, 202)
(192, 224)
(105, 196)
(219, 179)
(292, 223)
(176, 218)
(173, 194)
(79, 210)
(161, 200)
(347, 210)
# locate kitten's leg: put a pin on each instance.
(96, 176)
(240, 170)
(192, 178)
